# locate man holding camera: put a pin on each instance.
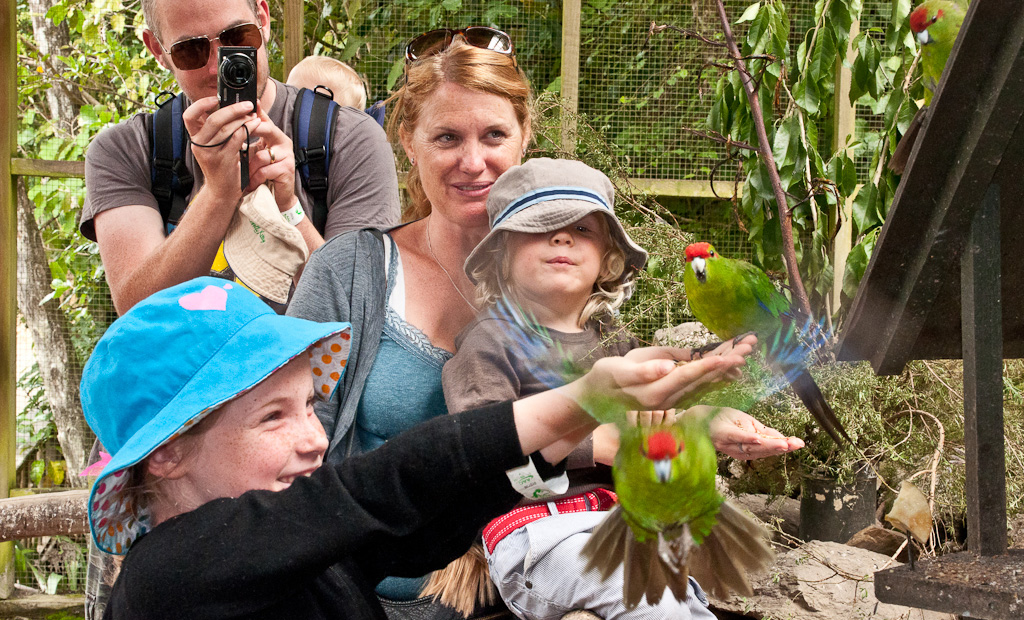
(121, 213)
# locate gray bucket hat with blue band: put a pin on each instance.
(171, 360)
(544, 195)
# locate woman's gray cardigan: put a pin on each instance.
(345, 280)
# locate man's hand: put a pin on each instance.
(209, 124)
(274, 161)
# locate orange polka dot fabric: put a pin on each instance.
(328, 359)
(117, 518)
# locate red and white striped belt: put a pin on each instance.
(591, 501)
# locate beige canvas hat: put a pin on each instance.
(264, 251)
(545, 194)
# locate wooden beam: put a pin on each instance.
(843, 128)
(8, 242)
(294, 33)
(64, 513)
(982, 324)
(570, 91)
(688, 189)
(47, 168)
(8, 269)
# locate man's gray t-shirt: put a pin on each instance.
(362, 182)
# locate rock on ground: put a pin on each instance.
(821, 580)
(691, 335)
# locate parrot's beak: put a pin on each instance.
(924, 38)
(700, 269)
(663, 470)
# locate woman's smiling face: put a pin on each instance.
(464, 140)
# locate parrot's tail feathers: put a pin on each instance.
(809, 392)
(901, 156)
(464, 584)
(606, 548)
(738, 545)
(645, 571)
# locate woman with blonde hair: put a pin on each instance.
(462, 118)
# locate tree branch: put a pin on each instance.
(785, 216)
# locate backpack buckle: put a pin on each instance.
(315, 154)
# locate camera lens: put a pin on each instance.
(237, 70)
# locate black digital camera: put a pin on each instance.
(236, 75)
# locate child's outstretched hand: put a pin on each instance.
(616, 385)
(634, 383)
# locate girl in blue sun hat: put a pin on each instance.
(215, 490)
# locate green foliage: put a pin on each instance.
(903, 425)
(797, 93)
(57, 564)
(364, 34)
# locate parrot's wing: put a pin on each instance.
(548, 362)
(738, 545)
(768, 298)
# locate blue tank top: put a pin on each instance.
(402, 390)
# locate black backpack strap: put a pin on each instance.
(171, 180)
(313, 126)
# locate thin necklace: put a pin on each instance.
(454, 286)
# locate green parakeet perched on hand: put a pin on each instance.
(732, 298)
(935, 24)
(670, 521)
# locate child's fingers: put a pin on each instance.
(643, 354)
(668, 390)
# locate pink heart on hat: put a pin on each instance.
(210, 298)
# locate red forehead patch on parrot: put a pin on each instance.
(919, 18)
(698, 250)
(661, 445)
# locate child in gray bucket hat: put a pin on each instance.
(551, 274)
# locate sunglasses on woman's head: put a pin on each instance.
(194, 53)
(437, 41)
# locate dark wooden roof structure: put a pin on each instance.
(946, 280)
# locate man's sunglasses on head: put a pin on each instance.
(194, 53)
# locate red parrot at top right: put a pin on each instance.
(935, 24)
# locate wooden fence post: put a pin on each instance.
(8, 270)
(294, 21)
(570, 91)
(842, 131)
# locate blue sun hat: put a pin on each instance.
(171, 360)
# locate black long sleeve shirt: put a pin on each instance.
(408, 507)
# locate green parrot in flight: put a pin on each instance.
(935, 24)
(733, 298)
(670, 521)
